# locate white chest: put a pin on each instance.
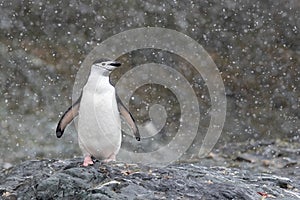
(99, 126)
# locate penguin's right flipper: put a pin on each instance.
(67, 117)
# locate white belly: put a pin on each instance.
(99, 126)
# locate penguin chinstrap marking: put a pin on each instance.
(98, 109)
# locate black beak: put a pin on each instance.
(115, 64)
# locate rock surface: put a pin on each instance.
(67, 179)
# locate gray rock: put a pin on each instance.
(67, 179)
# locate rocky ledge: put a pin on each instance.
(67, 179)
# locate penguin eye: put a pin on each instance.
(102, 64)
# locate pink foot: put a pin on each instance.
(87, 161)
(111, 158)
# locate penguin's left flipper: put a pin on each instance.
(129, 119)
(67, 117)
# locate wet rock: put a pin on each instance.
(67, 179)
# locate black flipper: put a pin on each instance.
(67, 117)
(128, 117)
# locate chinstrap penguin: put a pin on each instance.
(99, 109)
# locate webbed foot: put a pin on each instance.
(87, 161)
(110, 158)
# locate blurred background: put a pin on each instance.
(255, 45)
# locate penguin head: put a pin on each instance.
(106, 64)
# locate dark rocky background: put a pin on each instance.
(255, 44)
